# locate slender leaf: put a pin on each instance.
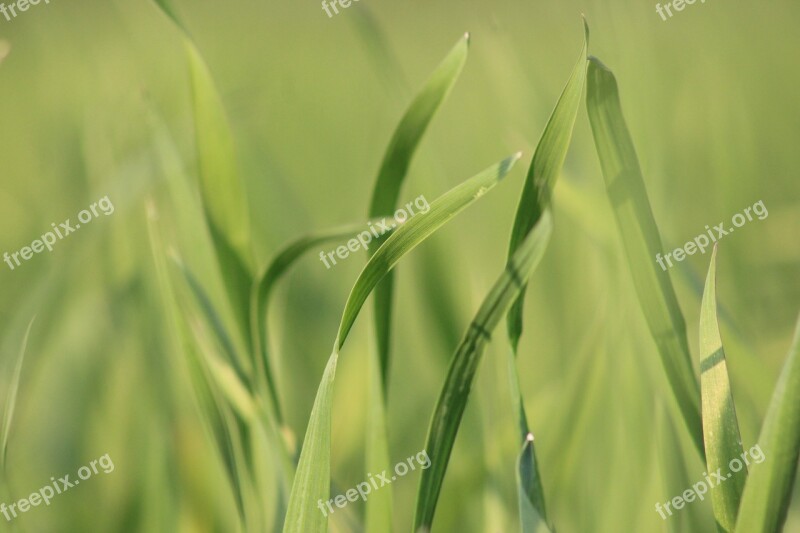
(11, 396)
(768, 491)
(312, 481)
(394, 168)
(453, 397)
(222, 190)
(626, 191)
(723, 442)
(391, 176)
(548, 160)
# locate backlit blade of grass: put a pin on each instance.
(455, 392)
(626, 191)
(312, 481)
(723, 441)
(545, 168)
(11, 396)
(385, 194)
(222, 190)
(768, 491)
(531, 520)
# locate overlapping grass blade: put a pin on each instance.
(531, 520)
(548, 160)
(222, 190)
(385, 194)
(312, 481)
(723, 441)
(768, 491)
(453, 397)
(266, 281)
(626, 191)
(11, 397)
(394, 168)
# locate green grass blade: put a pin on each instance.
(312, 481)
(11, 397)
(263, 287)
(723, 441)
(222, 190)
(768, 491)
(394, 168)
(391, 176)
(531, 520)
(546, 165)
(455, 392)
(626, 191)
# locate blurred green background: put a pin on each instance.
(89, 87)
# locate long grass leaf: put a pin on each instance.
(768, 491)
(453, 397)
(391, 176)
(11, 396)
(626, 191)
(222, 190)
(546, 165)
(723, 442)
(394, 168)
(312, 481)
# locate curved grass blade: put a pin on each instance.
(266, 282)
(385, 194)
(312, 482)
(453, 398)
(548, 160)
(11, 397)
(626, 191)
(394, 168)
(222, 190)
(723, 442)
(531, 520)
(768, 491)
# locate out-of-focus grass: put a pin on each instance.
(714, 119)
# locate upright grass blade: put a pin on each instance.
(385, 194)
(626, 191)
(548, 160)
(394, 168)
(312, 482)
(224, 199)
(531, 520)
(768, 491)
(11, 397)
(723, 442)
(455, 392)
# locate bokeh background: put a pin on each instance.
(91, 92)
